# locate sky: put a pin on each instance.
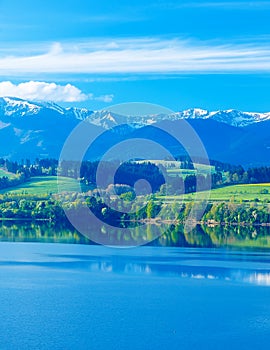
(178, 54)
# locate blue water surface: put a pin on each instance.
(57, 296)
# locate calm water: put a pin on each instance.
(66, 296)
(202, 236)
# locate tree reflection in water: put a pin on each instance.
(174, 236)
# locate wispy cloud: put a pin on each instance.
(43, 91)
(104, 98)
(141, 56)
(109, 18)
(231, 5)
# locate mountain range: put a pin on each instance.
(39, 129)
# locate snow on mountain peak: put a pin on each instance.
(15, 107)
(238, 118)
(53, 106)
(195, 113)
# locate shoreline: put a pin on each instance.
(155, 221)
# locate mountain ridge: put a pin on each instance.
(39, 130)
(15, 107)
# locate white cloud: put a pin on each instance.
(146, 56)
(42, 91)
(37, 90)
(105, 98)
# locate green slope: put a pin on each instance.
(236, 193)
(242, 192)
(7, 174)
(42, 185)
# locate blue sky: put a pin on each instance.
(180, 54)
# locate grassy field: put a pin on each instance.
(173, 168)
(7, 174)
(43, 185)
(242, 192)
(237, 193)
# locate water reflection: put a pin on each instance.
(169, 236)
(178, 264)
(259, 278)
(237, 267)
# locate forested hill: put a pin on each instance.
(39, 130)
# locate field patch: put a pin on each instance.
(236, 193)
(9, 175)
(42, 185)
(242, 192)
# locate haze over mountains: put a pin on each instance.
(38, 129)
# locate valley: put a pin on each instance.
(35, 186)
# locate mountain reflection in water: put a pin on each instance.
(235, 266)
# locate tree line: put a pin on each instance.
(129, 173)
(119, 210)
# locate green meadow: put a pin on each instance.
(43, 185)
(235, 193)
(7, 174)
(250, 192)
(173, 168)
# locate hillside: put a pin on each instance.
(42, 185)
(246, 193)
(31, 130)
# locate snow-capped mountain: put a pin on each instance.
(238, 118)
(17, 108)
(231, 117)
(40, 129)
(194, 113)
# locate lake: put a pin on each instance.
(74, 296)
(171, 236)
